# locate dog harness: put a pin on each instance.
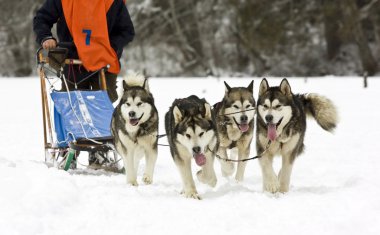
(87, 22)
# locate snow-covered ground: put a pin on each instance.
(335, 186)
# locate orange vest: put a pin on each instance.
(87, 22)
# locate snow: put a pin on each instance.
(335, 186)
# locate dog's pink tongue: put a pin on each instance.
(243, 127)
(200, 159)
(272, 132)
(133, 122)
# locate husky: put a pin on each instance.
(191, 134)
(134, 128)
(235, 125)
(281, 126)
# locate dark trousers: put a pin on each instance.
(76, 77)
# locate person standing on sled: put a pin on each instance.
(99, 30)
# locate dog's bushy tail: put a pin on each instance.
(136, 79)
(321, 109)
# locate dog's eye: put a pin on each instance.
(248, 106)
(188, 136)
(277, 106)
(200, 135)
(265, 106)
(139, 103)
(128, 104)
(235, 106)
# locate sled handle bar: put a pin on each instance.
(65, 44)
(61, 45)
(42, 59)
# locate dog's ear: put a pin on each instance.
(228, 88)
(208, 111)
(285, 87)
(250, 87)
(177, 115)
(263, 86)
(143, 86)
(125, 85)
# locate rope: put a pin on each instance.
(71, 70)
(160, 136)
(245, 110)
(166, 145)
(252, 109)
(246, 159)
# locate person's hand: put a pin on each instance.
(49, 44)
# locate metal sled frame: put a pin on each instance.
(53, 152)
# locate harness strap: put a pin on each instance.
(246, 159)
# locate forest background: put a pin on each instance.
(225, 38)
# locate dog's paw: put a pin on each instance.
(147, 179)
(211, 181)
(201, 177)
(191, 194)
(272, 186)
(239, 178)
(133, 183)
(284, 188)
(228, 168)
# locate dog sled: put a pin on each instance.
(74, 121)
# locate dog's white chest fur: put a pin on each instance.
(234, 134)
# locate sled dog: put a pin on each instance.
(192, 135)
(134, 128)
(281, 126)
(235, 124)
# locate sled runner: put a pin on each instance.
(77, 120)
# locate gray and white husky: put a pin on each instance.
(281, 126)
(134, 128)
(191, 135)
(235, 124)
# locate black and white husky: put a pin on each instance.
(191, 135)
(134, 128)
(235, 124)
(281, 122)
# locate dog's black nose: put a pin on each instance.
(197, 149)
(131, 114)
(269, 118)
(243, 118)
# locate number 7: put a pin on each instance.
(88, 35)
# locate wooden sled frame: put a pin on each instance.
(52, 152)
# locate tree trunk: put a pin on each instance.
(352, 18)
(332, 20)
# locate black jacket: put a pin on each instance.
(120, 26)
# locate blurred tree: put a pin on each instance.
(252, 26)
(18, 43)
(345, 22)
(333, 21)
(353, 18)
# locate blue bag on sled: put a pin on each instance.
(81, 114)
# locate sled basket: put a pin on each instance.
(81, 115)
